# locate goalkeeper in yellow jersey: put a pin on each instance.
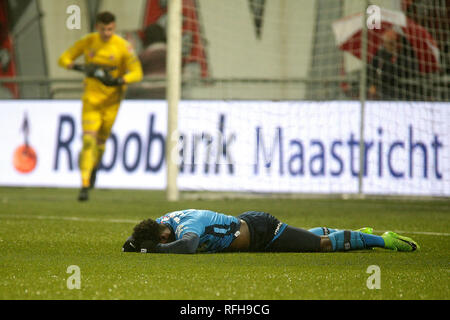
(110, 64)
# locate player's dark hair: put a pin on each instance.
(147, 230)
(105, 17)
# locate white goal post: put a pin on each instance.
(173, 94)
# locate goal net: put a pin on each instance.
(288, 96)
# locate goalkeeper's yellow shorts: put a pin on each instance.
(99, 118)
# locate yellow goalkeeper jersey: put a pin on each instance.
(116, 52)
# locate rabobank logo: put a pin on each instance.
(310, 147)
(25, 157)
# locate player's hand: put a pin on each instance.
(100, 73)
(91, 69)
(129, 245)
(88, 69)
(105, 78)
(77, 67)
(110, 81)
(148, 246)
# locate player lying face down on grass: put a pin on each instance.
(191, 231)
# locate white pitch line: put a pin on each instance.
(68, 218)
(83, 219)
(418, 232)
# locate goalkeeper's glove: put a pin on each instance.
(89, 69)
(105, 78)
(110, 81)
(100, 73)
(79, 67)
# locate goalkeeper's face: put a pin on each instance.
(106, 30)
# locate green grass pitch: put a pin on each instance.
(44, 231)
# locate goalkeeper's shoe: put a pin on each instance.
(397, 242)
(84, 195)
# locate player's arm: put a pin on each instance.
(187, 244)
(133, 71)
(66, 60)
(133, 66)
(134, 74)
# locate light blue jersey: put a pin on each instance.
(215, 230)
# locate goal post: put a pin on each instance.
(174, 35)
(362, 98)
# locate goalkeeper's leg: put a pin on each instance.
(109, 116)
(100, 149)
(87, 159)
(91, 122)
